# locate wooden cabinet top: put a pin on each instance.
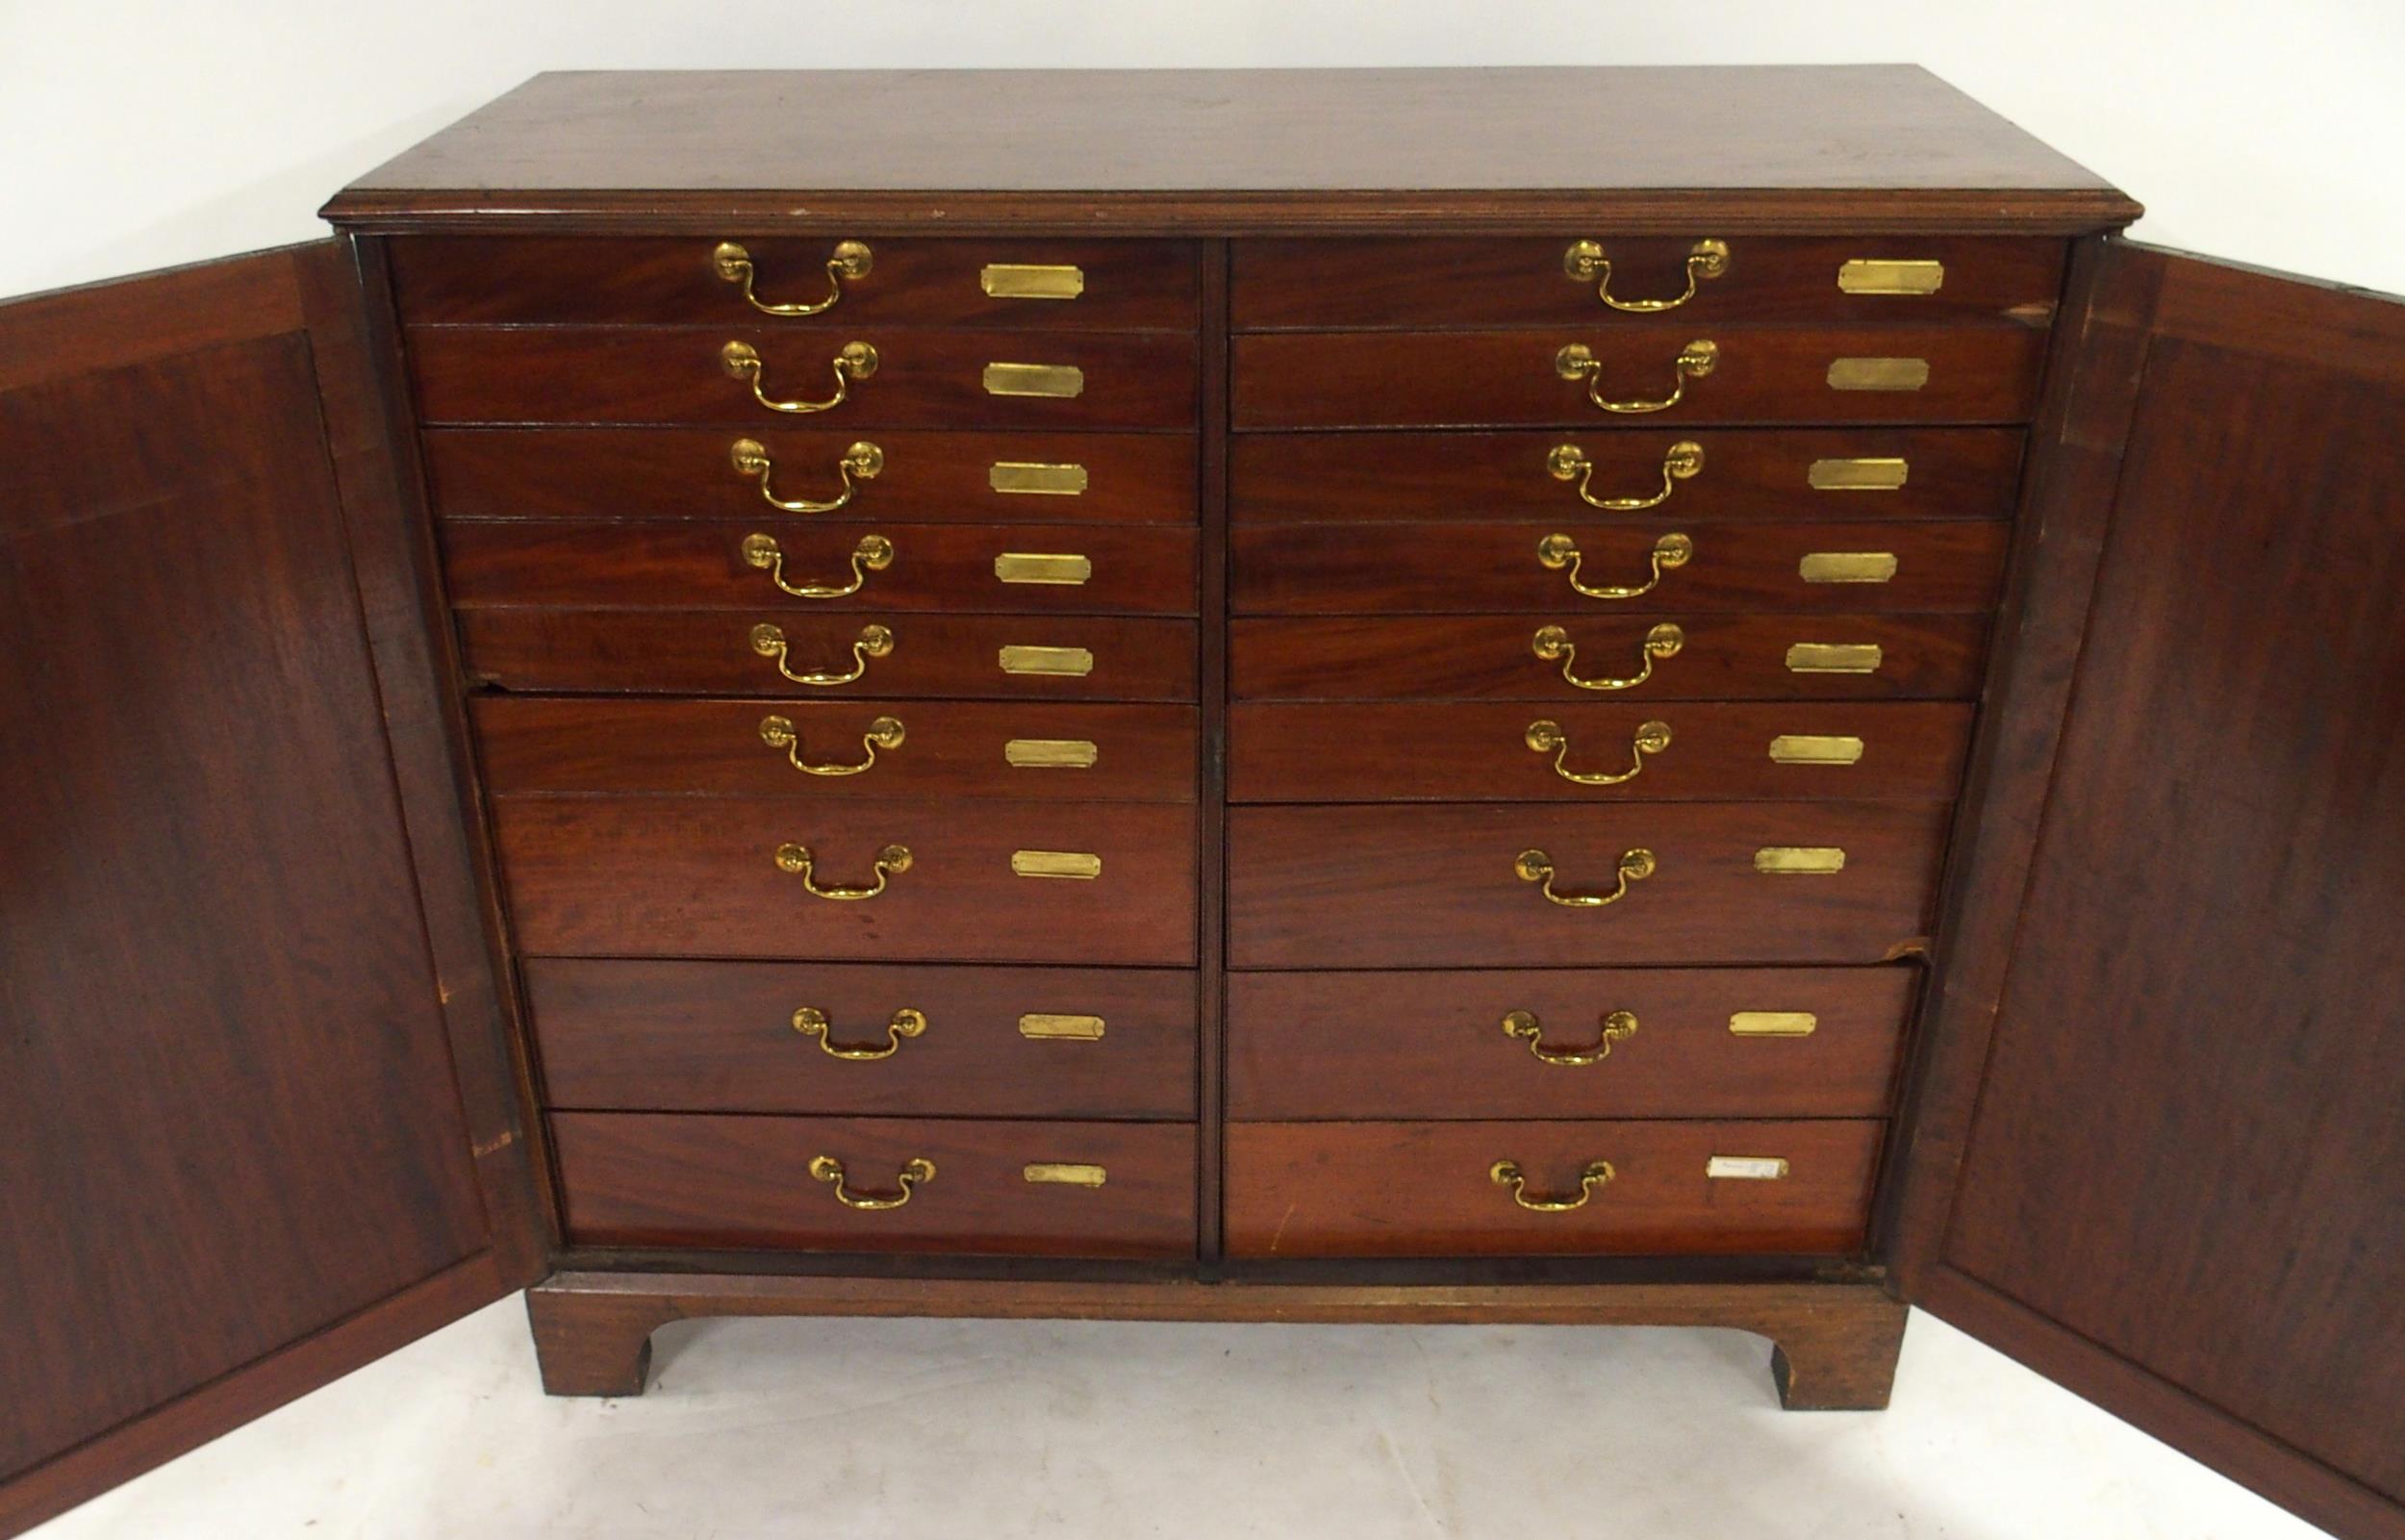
(1817, 147)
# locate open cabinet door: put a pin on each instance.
(2159, 1152)
(258, 1117)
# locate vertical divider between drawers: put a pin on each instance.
(1211, 692)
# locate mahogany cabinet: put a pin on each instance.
(1461, 696)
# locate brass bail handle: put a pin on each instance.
(849, 260)
(1552, 642)
(1545, 736)
(1578, 362)
(1670, 552)
(871, 553)
(779, 732)
(812, 1022)
(862, 462)
(853, 360)
(1681, 462)
(1508, 1174)
(1585, 262)
(1535, 866)
(797, 860)
(873, 642)
(1524, 1026)
(915, 1172)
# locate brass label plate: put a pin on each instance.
(1808, 748)
(1024, 280)
(1070, 1173)
(1050, 1028)
(1073, 663)
(1772, 1023)
(1835, 657)
(1883, 275)
(1847, 567)
(1042, 567)
(1051, 753)
(1033, 478)
(1875, 373)
(1799, 860)
(1061, 380)
(1868, 473)
(1745, 1168)
(1077, 865)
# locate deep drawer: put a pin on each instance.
(654, 876)
(1443, 885)
(1625, 1043)
(927, 1040)
(1429, 1189)
(1020, 1188)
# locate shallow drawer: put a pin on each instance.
(1602, 1043)
(904, 281)
(1577, 752)
(864, 1040)
(812, 565)
(1658, 373)
(920, 477)
(667, 877)
(1572, 562)
(1467, 886)
(775, 651)
(1719, 474)
(1538, 657)
(863, 377)
(1541, 280)
(1431, 1189)
(837, 749)
(1039, 1189)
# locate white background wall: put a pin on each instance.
(137, 134)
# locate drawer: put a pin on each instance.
(1561, 280)
(1573, 562)
(1598, 1043)
(1435, 886)
(1657, 372)
(1020, 1188)
(922, 477)
(812, 565)
(1430, 1189)
(903, 281)
(671, 876)
(1578, 752)
(1726, 475)
(996, 379)
(728, 652)
(1536, 657)
(1031, 751)
(981, 1043)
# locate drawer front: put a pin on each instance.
(922, 477)
(652, 876)
(919, 378)
(1521, 657)
(1545, 281)
(1599, 1043)
(727, 652)
(876, 1041)
(1429, 1189)
(669, 1180)
(1031, 751)
(900, 281)
(1442, 885)
(1972, 374)
(1721, 475)
(1578, 752)
(834, 564)
(1598, 566)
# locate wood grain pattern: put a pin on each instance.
(1431, 1045)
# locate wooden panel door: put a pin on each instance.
(2160, 1144)
(256, 1092)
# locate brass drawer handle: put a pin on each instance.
(1567, 461)
(874, 553)
(857, 360)
(1670, 552)
(1552, 642)
(862, 462)
(850, 259)
(1523, 1025)
(1585, 262)
(1696, 360)
(778, 732)
(811, 1022)
(797, 860)
(1506, 1174)
(873, 642)
(1546, 737)
(1535, 866)
(914, 1171)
